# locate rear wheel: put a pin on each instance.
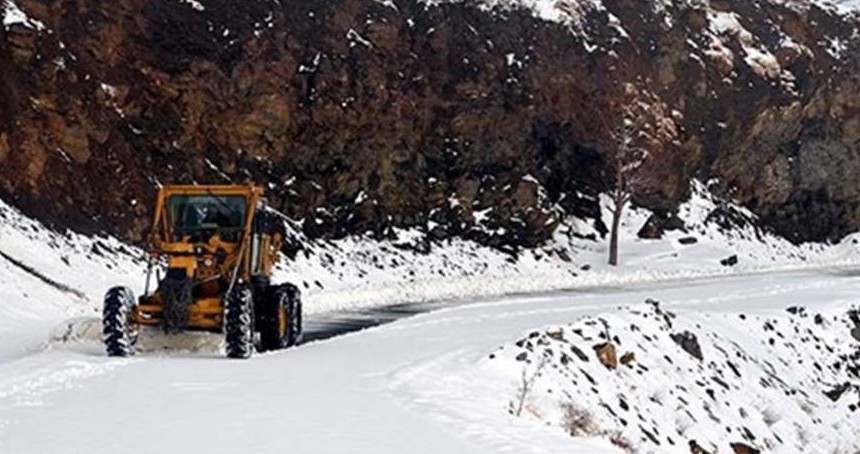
(294, 315)
(119, 331)
(238, 322)
(281, 321)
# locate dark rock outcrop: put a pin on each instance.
(689, 343)
(731, 260)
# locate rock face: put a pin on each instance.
(492, 125)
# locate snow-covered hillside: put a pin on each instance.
(657, 381)
(717, 238)
(778, 371)
(427, 382)
(49, 278)
(357, 118)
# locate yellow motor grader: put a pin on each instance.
(219, 244)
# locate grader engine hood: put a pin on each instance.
(203, 260)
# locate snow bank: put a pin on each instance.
(357, 273)
(47, 277)
(779, 383)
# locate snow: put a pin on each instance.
(12, 15)
(844, 6)
(81, 268)
(568, 12)
(423, 383)
(760, 374)
(465, 383)
(109, 90)
(359, 272)
(194, 4)
(836, 47)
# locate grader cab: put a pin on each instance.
(219, 244)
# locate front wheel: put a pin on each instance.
(238, 322)
(119, 331)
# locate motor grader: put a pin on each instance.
(219, 244)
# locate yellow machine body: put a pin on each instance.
(213, 257)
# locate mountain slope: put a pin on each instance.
(361, 116)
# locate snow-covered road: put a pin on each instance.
(405, 386)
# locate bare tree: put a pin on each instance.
(526, 384)
(627, 157)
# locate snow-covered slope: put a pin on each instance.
(426, 382)
(776, 351)
(357, 272)
(51, 278)
(777, 382)
(47, 278)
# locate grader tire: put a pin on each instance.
(294, 308)
(281, 322)
(118, 331)
(239, 322)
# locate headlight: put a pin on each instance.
(208, 262)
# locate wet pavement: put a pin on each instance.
(326, 326)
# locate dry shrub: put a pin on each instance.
(577, 421)
(622, 442)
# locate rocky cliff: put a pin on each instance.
(488, 120)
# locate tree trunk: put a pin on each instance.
(613, 234)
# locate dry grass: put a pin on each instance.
(578, 422)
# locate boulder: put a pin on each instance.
(742, 448)
(729, 261)
(658, 224)
(606, 355)
(556, 335)
(627, 358)
(696, 449)
(689, 343)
